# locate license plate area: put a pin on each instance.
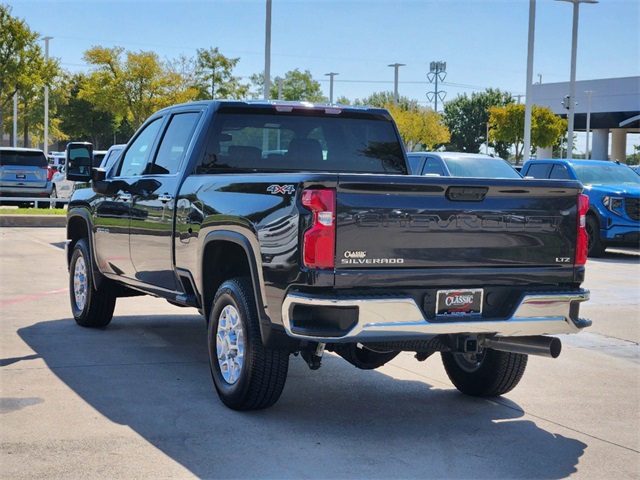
(459, 302)
(21, 176)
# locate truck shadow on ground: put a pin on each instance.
(152, 375)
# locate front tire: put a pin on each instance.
(91, 306)
(488, 373)
(247, 376)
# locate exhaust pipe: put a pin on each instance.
(539, 345)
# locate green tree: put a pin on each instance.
(214, 76)
(382, 99)
(634, 158)
(133, 88)
(467, 119)
(22, 67)
(81, 121)
(294, 86)
(507, 125)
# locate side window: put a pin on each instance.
(414, 163)
(174, 143)
(432, 167)
(135, 160)
(538, 170)
(560, 172)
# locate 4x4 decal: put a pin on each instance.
(276, 189)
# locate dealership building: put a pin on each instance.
(610, 106)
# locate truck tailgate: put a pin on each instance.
(446, 222)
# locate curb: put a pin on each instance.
(33, 220)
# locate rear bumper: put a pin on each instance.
(26, 191)
(387, 319)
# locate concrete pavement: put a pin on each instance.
(136, 400)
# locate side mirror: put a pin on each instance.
(78, 161)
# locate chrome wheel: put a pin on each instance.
(230, 344)
(80, 283)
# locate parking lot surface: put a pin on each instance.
(136, 400)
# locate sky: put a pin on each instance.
(483, 42)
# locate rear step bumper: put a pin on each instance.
(333, 320)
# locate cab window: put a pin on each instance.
(432, 167)
(136, 158)
(560, 172)
(538, 170)
(174, 143)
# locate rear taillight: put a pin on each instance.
(582, 244)
(49, 172)
(318, 247)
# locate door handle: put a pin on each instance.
(165, 198)
(124, 196)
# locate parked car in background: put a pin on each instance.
(458, 164)
(24, 172)
(111, 155)
(614, 198)
(63, 188)
(98, 156)
(56, 160)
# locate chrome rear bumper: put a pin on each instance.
(401, 318)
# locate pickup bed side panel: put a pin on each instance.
(265, 210)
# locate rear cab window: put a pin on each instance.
(263, 140)
(16, 158)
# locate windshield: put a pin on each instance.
(599, 174)
(305, 142)
(22, 159)
(484, 167)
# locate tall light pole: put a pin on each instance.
(572, 79)
(331, 75)
(529, 101)
(396, 66)
(589, 93)
(46, 99)
(267, 53)
(15, 120)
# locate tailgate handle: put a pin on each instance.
(466, 194)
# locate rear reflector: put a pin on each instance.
(319, 241)
(582, 243)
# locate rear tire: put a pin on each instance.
(247, 376)
(54, 195)
(91, 306)
(596, 248)
(488, 373)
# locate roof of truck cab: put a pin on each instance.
(275, 104)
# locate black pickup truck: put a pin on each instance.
(296, 229)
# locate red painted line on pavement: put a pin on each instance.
(32, 297)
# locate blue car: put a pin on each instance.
(614, 198)
(457, 164)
